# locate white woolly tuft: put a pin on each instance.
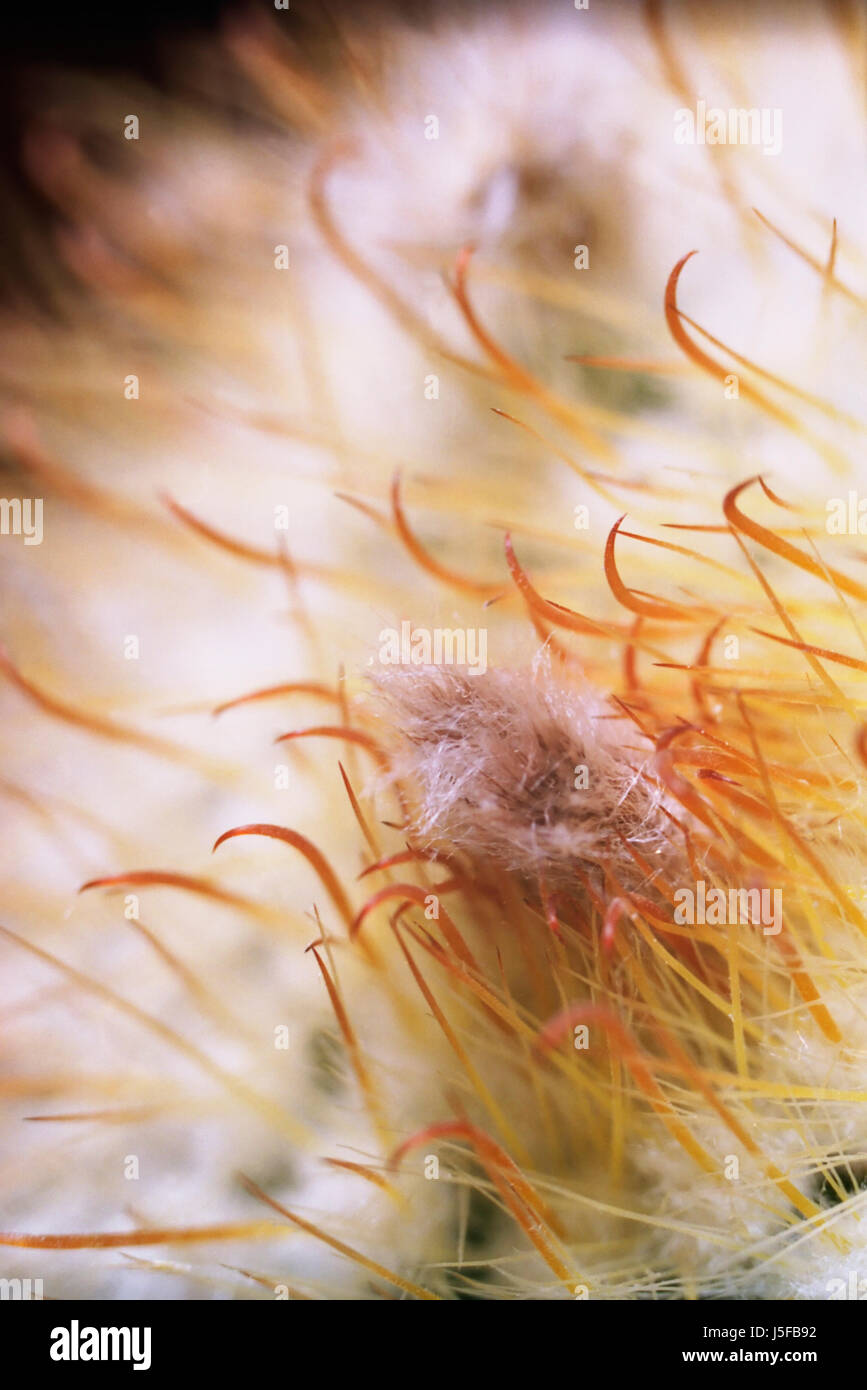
(515, 767)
